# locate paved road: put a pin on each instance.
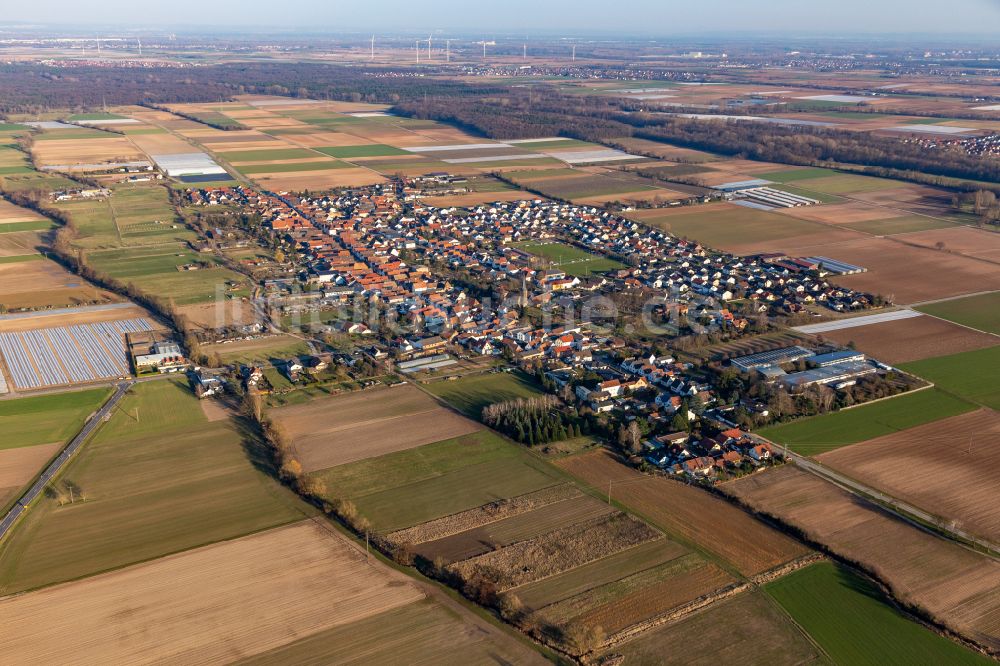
(903, 510)
(56, 465)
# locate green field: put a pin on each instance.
(410, 487)
(570, 259)
(981, 312)
(792, 175)
(265, 155)
(154, 269)
(581, 186)
(369, 150)
(253, 169)
(470, 394)
(81, 133)
(854, 624)
(848, 184)
(100, 115)
(153, 483)
(11, 127)
(46, 419)
(971, 375)
(557, 144)
(827, 432)
(37, 225)
(259, 351)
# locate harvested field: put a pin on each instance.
(966, 241)
(521, 527)
(729, 632)
(955, 585)
(85, 151)
(912, 339)
(713, 524)
(571, 583)
(209, 316)
(418, 633)
(259, 349)
(294, 581)
(476, 198)
(948, 468)
(665, 151)
(328, 179)
(19, 465)
(558, 551)
(632, 600)
(338, 430)
(11, 213)
(483, 515)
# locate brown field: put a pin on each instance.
(43, 284)
(558, 551)
(214, 410)
(218, 603)
(11, 213)
(658, 194)
(161, 144)
(912, 339)
(20, 243)
(296, 181)
(220, 313)
(664, 151)
(955, 585)
(845, 213)
(906, 273)
(948, 468)
(715, 525)
(655, 599)
(910, 199)
(324, 139)
(728, 632)
(960, 240)
(501, 509)
(524, 526)
(333, 431)
(85, 151)
(18, 466)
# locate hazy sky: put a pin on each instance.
(652, 17)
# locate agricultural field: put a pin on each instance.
(737, 228)
(969, 375)
(264, 350)
(47, 419)
(854, 624)
(307, 585)
(953, 584)
(30, 282)
(570, 259)
(728, 631)
(406, 488)
(724, 532)
(158, 478)
(470, 394)
(980, 312)
(343, 429)
(19, 466)
(911, 339)
(819, 434)
(948, 468)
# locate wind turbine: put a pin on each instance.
(447, 50)
(429, 39)
(417, 49)
(139, 41)
(373, 47)
(574, 52)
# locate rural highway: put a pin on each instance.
(56, 465)
(907, 512)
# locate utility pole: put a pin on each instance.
(136, 414)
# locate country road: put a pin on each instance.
(56, 465)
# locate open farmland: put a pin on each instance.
(333, 431)
(853, 624)
(300, 582)
(470, 394)
(259, 350)
(953, 584)
(981, 312)
(39, 283)
(19, 465)
(912, 339)
(403, 489)
(741, 541)
(970, 375)
(819, 434)
(728, 631)
(156, 479)
(948, 468)
(46, 419)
